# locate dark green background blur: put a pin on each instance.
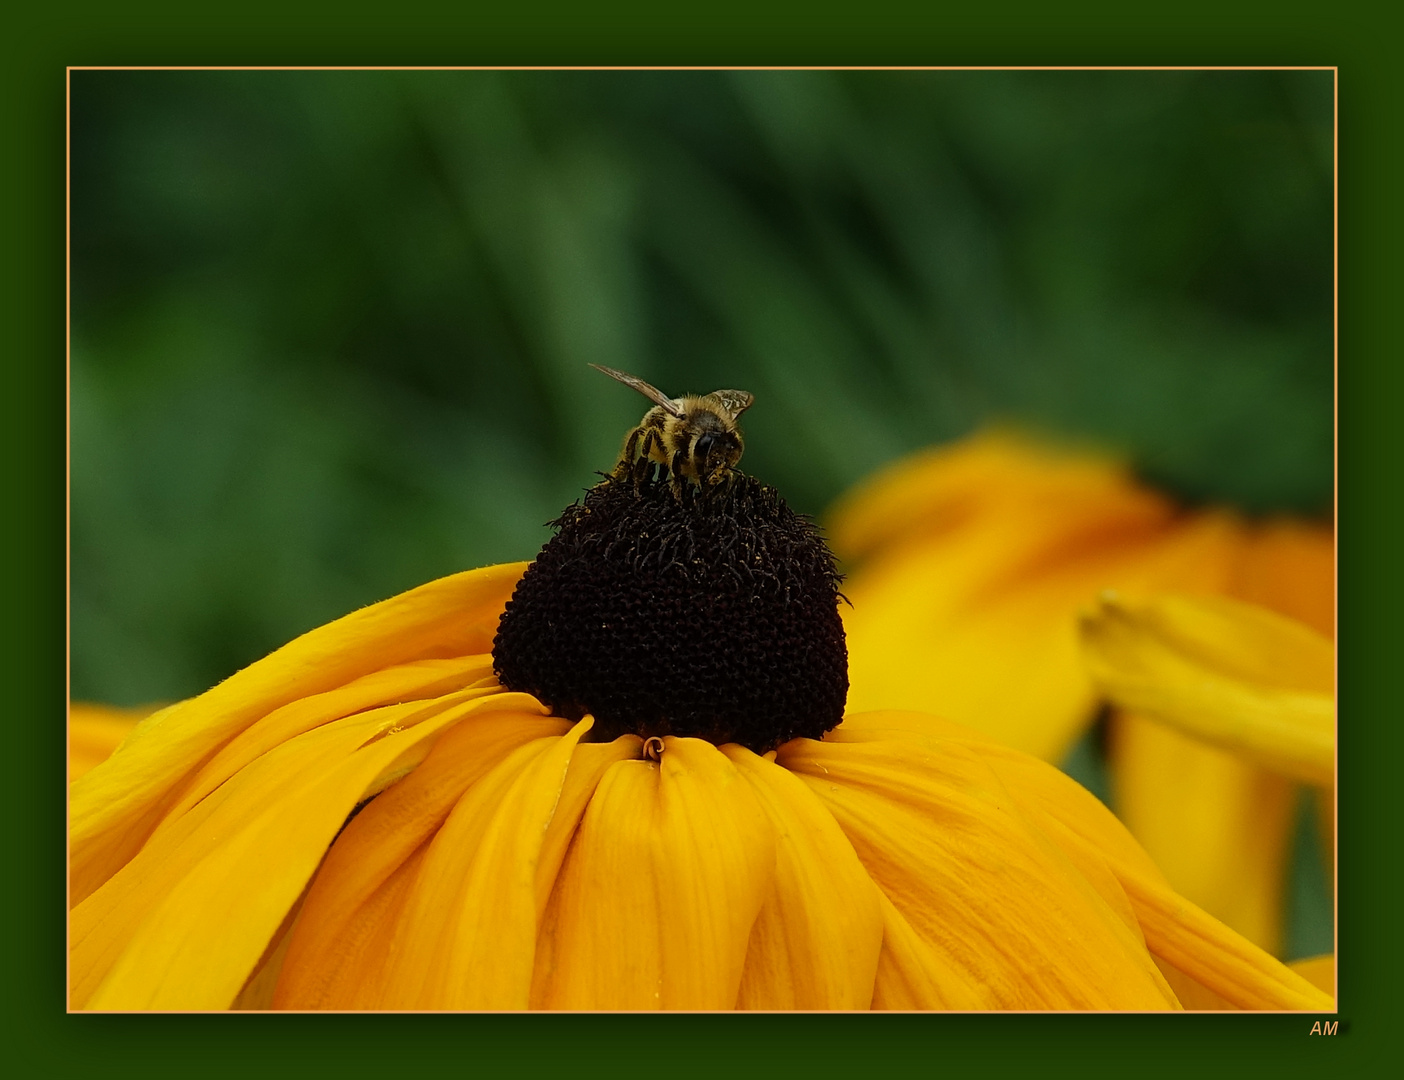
(330, 329)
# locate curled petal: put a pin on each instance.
(1233, 675)
(986, 612)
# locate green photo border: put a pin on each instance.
(47, 1041)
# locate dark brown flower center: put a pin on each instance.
(713, 615)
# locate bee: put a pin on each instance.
(693, 438)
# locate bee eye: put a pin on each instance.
(704, 445)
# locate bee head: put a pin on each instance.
(716, 450)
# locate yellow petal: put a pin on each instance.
(1055, 801)
(183, 923)
(946, 487)
(357, 975)
(996, 900)
(816, 941)
(1228, 968)
(470, 925)
(257, 991)
(1227, 673)
(980, 624)
(1290, 567)
(1320, 971)
(327, 960)
(446, 681)
(913, 975)
(588, 766)
(197, 944)
(654, 904)
(113, 808)
(348, 953)
(95, 731)
(1203, 949)
(1217, 826)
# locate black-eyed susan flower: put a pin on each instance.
(369, 819)
(967, 568)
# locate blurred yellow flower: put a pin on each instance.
(967, 566)
(1229, 674)
(366, 819)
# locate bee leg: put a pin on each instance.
(644, 462)
(675, 468)
(624, 468)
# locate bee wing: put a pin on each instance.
(653, 394)
(735, 401)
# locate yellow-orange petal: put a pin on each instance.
(1217, 826)
(113, 808)
(1320, 971)
(442, 681)
(95, 731)
(1290, 567)
(913, 975)
(1055, 802)
(995, 899)
(979, 624)
(1184, 937)
(816, 941)
(654, 904)
(101, 926)
(944, 488)
(588, 765)
(1240, 974)
(469, 928)
(327, 960)
(1230, 674)
(1233, 873)
(197, 943)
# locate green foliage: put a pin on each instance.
(330, 329)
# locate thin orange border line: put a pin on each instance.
(67, 515)
(1335, 318)
(703, 67)
(1336, 513)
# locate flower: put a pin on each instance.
(366, 818)
(967, 566)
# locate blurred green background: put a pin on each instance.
(330, 329)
